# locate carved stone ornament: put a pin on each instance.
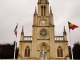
(43, 32)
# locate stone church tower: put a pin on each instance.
(43, 44)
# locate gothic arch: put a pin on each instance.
(59, 52)
(42, 7)
(27, 51)
(44, 10)
(43, 44)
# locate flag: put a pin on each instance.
(15, 30)
(72, 26)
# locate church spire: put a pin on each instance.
(22, 32)
(35, 11)
(64, 32)
(50, 10)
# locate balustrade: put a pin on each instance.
(59, 37)
(28, 38)
(56, 38)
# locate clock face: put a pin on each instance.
(43, 22)
(43, 33)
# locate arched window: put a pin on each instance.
(59, 52)
(44, 10)
(27, 52)
(41, 10)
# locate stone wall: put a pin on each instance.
(35, 59)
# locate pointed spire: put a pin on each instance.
(35, 11)
(50, 10)
(22, 32)
(64, 31)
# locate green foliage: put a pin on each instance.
(76, 51)
(70, 52)
(7, 51)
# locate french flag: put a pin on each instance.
(15, 30)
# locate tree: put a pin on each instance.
(7, 51)
(76, 50)
(70, 52)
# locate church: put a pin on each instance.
(43, 44)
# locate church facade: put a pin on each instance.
(43, 44)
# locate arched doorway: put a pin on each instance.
(43, 49)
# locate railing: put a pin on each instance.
(58, 37)
(29, 38)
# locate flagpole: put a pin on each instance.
(15, 31)
(15, 48)
(71, 45)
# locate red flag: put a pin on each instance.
(72, 26)
(15, 30)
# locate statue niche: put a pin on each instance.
(43, 54)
